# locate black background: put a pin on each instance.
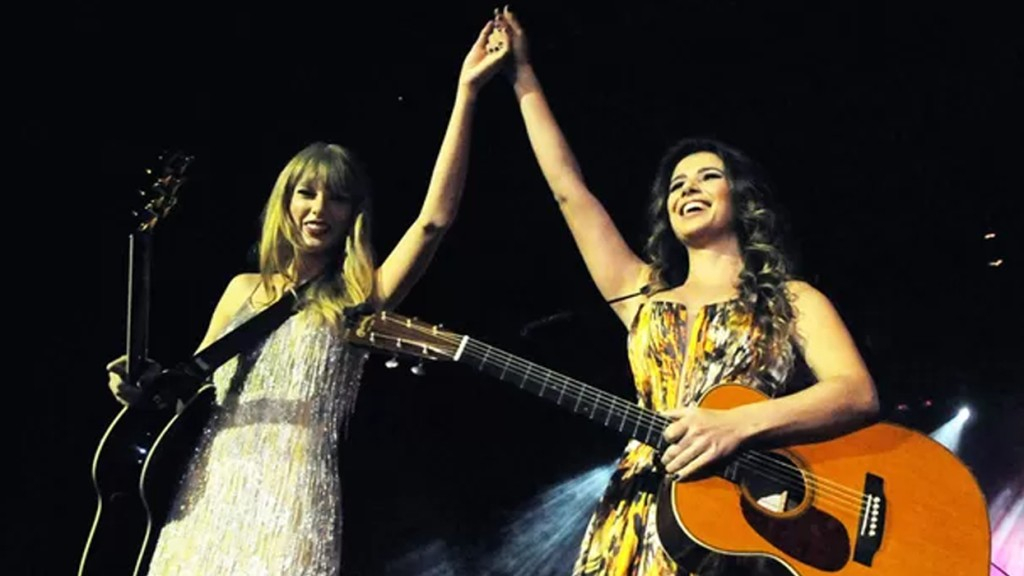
(892, 134)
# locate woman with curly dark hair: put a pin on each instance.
(713, 301)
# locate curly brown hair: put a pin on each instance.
(759, 229)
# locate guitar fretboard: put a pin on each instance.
(599, 406)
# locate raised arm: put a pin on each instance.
(410, 257)
(614, 267)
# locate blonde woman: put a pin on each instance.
(262, 494)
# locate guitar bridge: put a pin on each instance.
(871, 524)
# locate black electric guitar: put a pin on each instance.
(882, 500)
(123, 517)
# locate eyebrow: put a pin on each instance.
(306, 185)
(699, 172)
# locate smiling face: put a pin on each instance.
(321, 216)
(699, 203)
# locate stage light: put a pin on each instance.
(540, 537)
(949, 433)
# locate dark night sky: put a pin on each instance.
(891, 134)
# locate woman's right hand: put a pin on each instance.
(124, 392)
(517, 38)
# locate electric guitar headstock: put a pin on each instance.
(400, 335)
(160, 195)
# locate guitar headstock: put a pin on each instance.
(390, 332)
(161, 194)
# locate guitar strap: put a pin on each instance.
(244, 337)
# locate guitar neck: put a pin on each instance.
(597, 405)
(137, 341)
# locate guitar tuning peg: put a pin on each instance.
(418, 369)
(392, 362)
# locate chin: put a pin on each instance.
(320, 244)
(689, 234)
(699, 236)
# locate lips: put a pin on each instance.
(316, 227)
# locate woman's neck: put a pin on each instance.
(715, 264)
(304, 269)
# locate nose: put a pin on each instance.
(687, 189)
(317, 205)
(691, 186)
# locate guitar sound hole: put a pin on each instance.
(772, 482)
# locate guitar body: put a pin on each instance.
(136, 470)
(119, 526)
(930, 518)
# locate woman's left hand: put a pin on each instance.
(700, 436)
(486, 56)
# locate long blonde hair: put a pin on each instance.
(348, 280)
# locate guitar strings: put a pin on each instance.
(791, 476)
(821, 499)
(768, 467)
(514, 364)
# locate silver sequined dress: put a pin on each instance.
(262, 496)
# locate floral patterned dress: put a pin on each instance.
(673, 365)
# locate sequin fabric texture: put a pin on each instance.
(262, 494)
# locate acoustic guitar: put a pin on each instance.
(123, 529)
(882, 500)
(146, 449)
